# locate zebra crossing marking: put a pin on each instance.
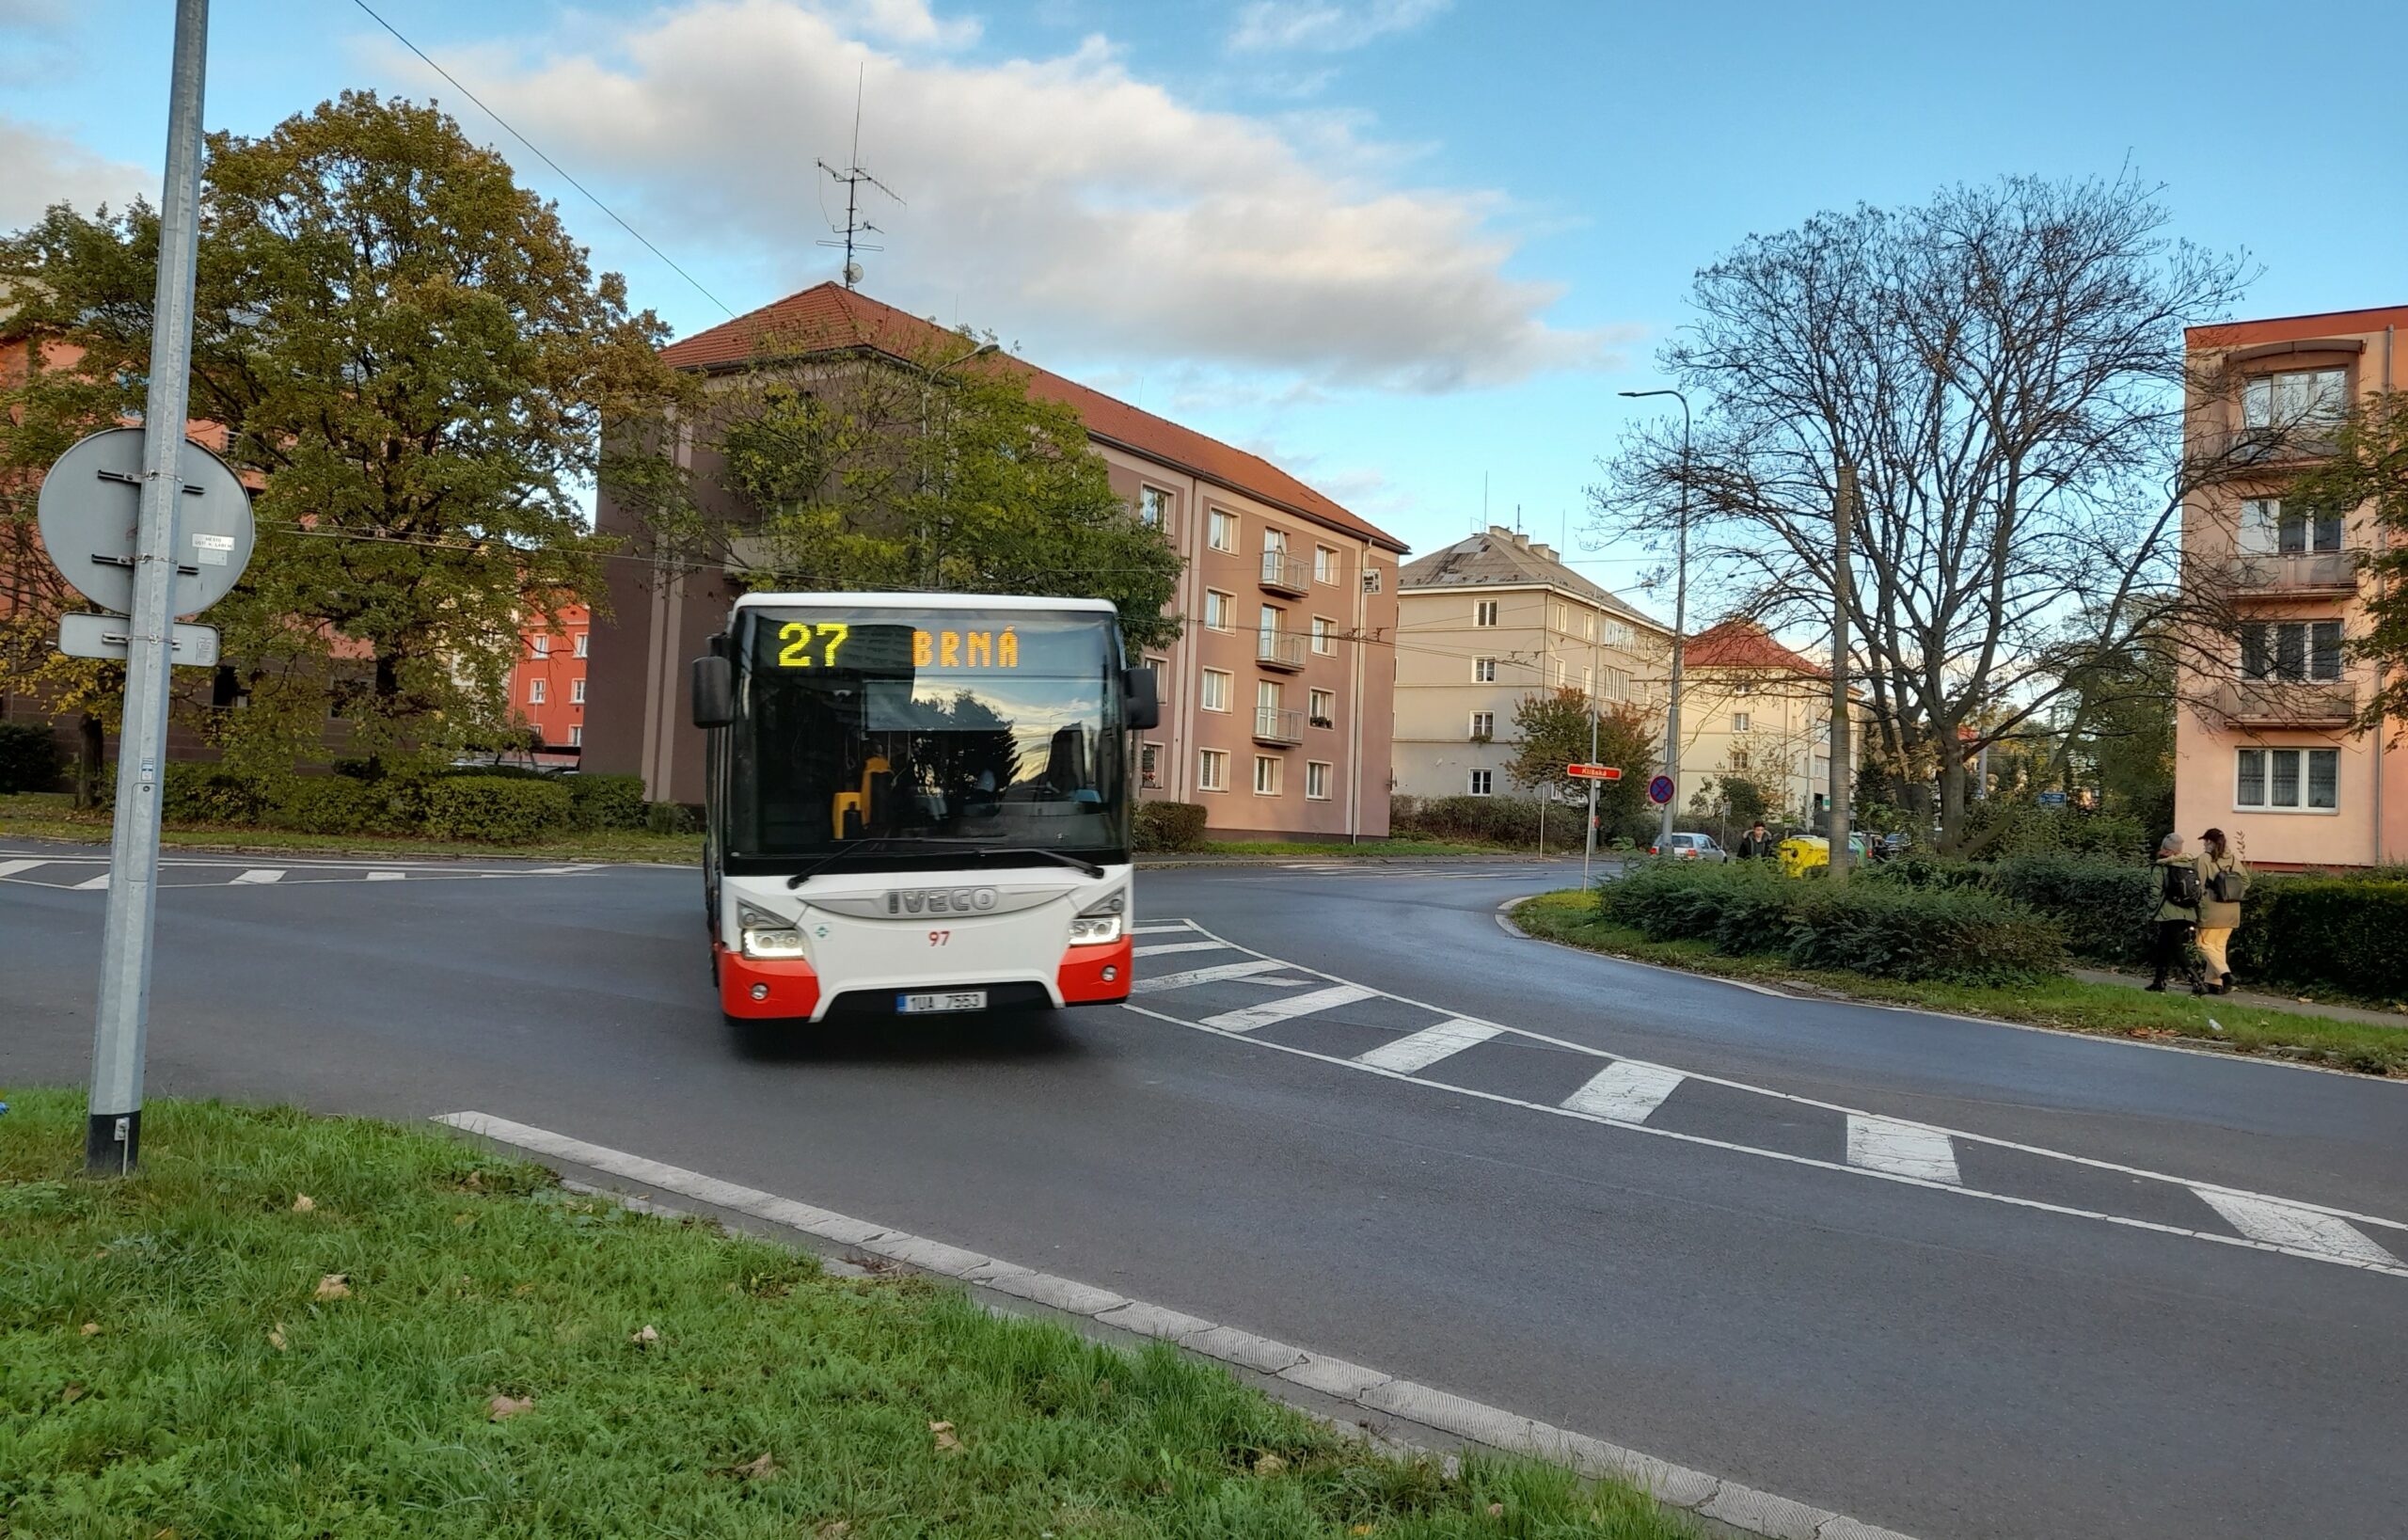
(1208, 975)
(259, 877)
(1418, 1051)
(1886, 1144)
(1288, 1008)
(10, 868)
(1625, 1091)
(1163, 947)
(2291, 1227)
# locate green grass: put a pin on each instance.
(167, 1368)
(41, 815)
(2068, 1004)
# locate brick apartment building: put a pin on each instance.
(2264, 742)
(1276, 699)
(547, 685)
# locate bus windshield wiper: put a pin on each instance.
(988, 852)
(868, 842)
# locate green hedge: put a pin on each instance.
(2105, 907)
(1168, 826)
(2326, 932)
(605, 802)
(29, 758)
(1885, 928)
(495, 809)
(1490, 820)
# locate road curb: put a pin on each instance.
(1720, 1506)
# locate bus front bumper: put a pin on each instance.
(774, 989)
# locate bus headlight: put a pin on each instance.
(765, 935)
(1100, 923)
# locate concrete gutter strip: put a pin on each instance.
(1722, 1507)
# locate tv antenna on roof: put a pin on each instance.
(852, 178)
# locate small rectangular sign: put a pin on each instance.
(1592, 772)
(212, 550)
(2053, 799)
(103, 636)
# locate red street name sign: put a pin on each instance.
(1592, 772)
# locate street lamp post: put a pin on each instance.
(1680, 624)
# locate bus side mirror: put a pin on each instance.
(714, 684)
(1141, 703)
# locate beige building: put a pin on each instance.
(1754, 708)
(2264, 745)
(1483, 623)
(1275, 700)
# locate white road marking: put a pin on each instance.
(259, 875)
(1160, 948)
(93, 885)
(1180, 929)
(387, 876)
(1418, 1051)
(1247, 1019)
(1625, 1091)
(1207, 975)
(1885, 1144)
(10, 868)
(2293, 1228)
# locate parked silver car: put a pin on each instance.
(1691, 848)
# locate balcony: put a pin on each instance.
(2287, 703)
(2246, 452)
(1286, 574)
(1279, 650)
(1278, 727)
(2297, 573)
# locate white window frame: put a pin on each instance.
(1149, 763)
(2300, 753)
(1739, 721)
(1325, 636)
(2272, 630)
(1325, 563)
(1213, 770)
(1153, 507)
(1263, 762)
(1227, 682)
(2258, 393)
(576, 692)
(1316, 773)
(1225, 604)
(1484, 612)
(1321, 704)
(540, 645)
(536, 691)
(1484, 724)
(1483, 671)
(576, 737)
(1223, 521)
(1480, 783)
(1617, 633)
(1370, 580)
(576, 646)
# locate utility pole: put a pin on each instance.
(1842, 531)
(1589, 851)
(1680, 624)
(113, 1129)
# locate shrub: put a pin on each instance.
(495, 809)
(669, 818)
(2333, 932)
(1925, 871)
(340, 804)
(1166, 826)
(1741, 906)
(2103, 906)
(1489, 820)
(197, 793)
(30, 758)
(606, 802)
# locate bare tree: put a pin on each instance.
(2004, 367)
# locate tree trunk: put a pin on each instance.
(89, 747)
(1952, 802)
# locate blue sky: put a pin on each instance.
(1397, 244)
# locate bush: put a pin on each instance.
(196, 793)
(669, 818)
(1483, 821)
(2327, 932)
(1741, 906)
(495, 809)
(1166, 826)
(1925, 871)
(2104, 908)
(30, 758)
(605, 802)
(341, 805)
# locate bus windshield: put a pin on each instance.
(920, 736)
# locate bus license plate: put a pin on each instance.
(914, 1005)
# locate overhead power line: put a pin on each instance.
(547, 160)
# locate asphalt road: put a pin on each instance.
(1956, 1278)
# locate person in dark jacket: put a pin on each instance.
(2178, 915)
(1757, 843)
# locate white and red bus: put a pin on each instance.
(918, 803)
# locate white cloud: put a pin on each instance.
(39, 168)
(1059, 199)
(1325, 25)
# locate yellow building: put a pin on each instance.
(1754, 708)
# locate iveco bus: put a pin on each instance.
(917, 804)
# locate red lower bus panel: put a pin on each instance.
(793, 988)
(1095, 974)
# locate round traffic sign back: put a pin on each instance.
(1659, 791)
(92, 500)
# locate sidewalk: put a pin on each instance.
(2249, 999)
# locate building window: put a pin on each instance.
(1738, 722)
(2317, 397)
(1370, 580)
(1274, 541)
(1267, 695)
(1216, 690)
(1217, 610)
(1562, 675)
(1224, 530)
(1149, 765)
(2270, 529)
(540, 645)
(577, 691)
(1322, 707)
(1153, 507)
(535, 692)
(2288, 779)
(1617, 684)
(1324, 634)
(1588, 625)
(1212, 770)
(1324, 564)
(1483, 671)
(1269, 627)
(578, 646)
(1588, 682)
(1317, 779)
(1483, 613)
(1483, 725)
(1617, 633)
(576, 737)
(1562, 614)
(2293, 649)
(1481, 783)
(1266, 776)
(1739, 760)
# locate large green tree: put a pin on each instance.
(877, 470)
(1551, 731)
(416, 360)
(2369, 467)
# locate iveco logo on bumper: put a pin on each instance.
(942, 901)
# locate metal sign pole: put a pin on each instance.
(112, 1136)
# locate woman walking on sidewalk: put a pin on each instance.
(2178, 915)
(2224, 881)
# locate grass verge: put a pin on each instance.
(2068, 1004)
(47, 816)
(1366, 848)
(442, 1342)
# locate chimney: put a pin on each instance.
(1501, 532)
(1545, 553)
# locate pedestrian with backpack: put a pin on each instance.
(2224, 881)
(2178, 915)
